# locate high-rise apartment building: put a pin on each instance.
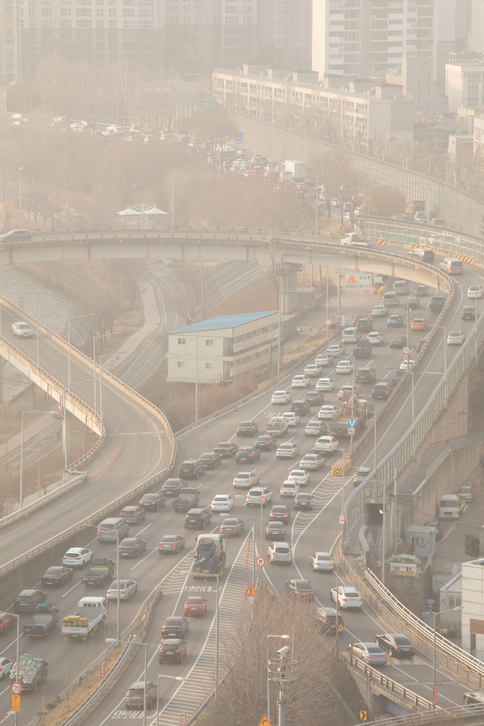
(370, 37)
(10, 39)
(285, 33)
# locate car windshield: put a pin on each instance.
(24, 598)
(324, 558)
(278, 509)
(127, 543)
(53, 571)
(206, 456)
(230, 523)
(351, 594)
(245, 423)
(401, 640)
(168, 538)
(373, 649)
(173, 621)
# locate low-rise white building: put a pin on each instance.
(220, 348)
(360, 106)
(464, 84)
(473, 607)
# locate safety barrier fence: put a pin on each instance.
(460, 664)
(442, 200)
(472, 712)
(389, 687)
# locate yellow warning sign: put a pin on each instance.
(15, 702)
(251, 590)
(264, 721)
(363, 715)
(351, 280)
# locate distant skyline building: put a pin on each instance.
(370, 37)
(10, 41)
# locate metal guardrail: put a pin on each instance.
(462, 665)
(470, 712)
(385, 684)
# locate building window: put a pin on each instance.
(209, 366)
(181, 364)
(182, 341)
(455, 601)
(209, 341)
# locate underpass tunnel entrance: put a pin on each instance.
(374, 514)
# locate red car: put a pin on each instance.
(195, 605)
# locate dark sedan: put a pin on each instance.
(301, 589)
(226, 449)
(171, 488)
(247, 453)
(398, 341)
(152, 502)
(172, 650)
(267, 442)
(303, 501)
(57, 576)
(468, 313)
(396, 644)
(132, 547)
(247, 428)
(175, 627)
(275, 531)
(314, 398)
(280, 513)
(210, 460)
(171, 544)
(232, 526)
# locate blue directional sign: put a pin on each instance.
(352, 422)
(239, 138)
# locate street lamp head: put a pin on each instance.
(110, 640)
(459, 607)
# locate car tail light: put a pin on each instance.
(343, 599)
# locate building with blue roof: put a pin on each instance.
(220, 348)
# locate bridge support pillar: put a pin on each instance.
(288, 297)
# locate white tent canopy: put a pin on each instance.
(140, 209)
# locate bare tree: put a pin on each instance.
(131, 275)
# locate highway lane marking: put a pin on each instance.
(144, 528)
(144, 558)
(450, 530)
(72, 588)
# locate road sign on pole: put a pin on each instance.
(328, 322)
(15, 703)
(239, 138)
(16, 688)
(251, 594)
(406, 350)
(352, 422)
(434, 695)
(260, 562)
(351, 431)
(183, 718)
(102, 668)
(264, 721)
(341, 518)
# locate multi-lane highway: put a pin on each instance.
(307, 533)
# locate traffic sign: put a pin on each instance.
(183, 718)
(16, 688)
(239, 138)
(363, 715)
(406, 350)
(116, 357)
(351, 431)
(341, 518)
(15, 703)
(352, 422)
(264, 721)
(434, 695)
(102, 668)
(251, 594)
(328, 322)
(260, 562)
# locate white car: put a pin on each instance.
(456, 337)
(321, 562)
(315, 428)
(326, 445)
(337, 350)
(327, 412)
(344, 366)
(134, 130)
(279, 552)
(312, 369)
(289, 488)
(258, 496)
(312, 462)
(246, 479)
(291, 418)
(287, 450)
(379, 311)
(348, 597)
(222, 503)
(323, 360)
(325, 384)
(300, 476)
(375, 338)
(5, 666)
(77, 557)
(408, 364)
(300, 382)
(474, 291)
(22, 330)
(126, 590)
(280, 397)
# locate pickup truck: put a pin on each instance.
(32, 672)
(101, 572)
(45, 619)
(277, 426)
(363, 349)
(91, 613)
(187, 499)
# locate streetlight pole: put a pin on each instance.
(20, 195)
(106, 355)
(434, 666)
(284, 637)
(162, 675)
(70, 317)
(340, 562)
(21, 493)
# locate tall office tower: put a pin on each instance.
(10, 41)
(452, 29)
(285, 33)
(370, 37)
(476, 40)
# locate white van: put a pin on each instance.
(401, 287)
(350, 335)
(452, 266)
(352, 239)
(112, 529)
(390, 299)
